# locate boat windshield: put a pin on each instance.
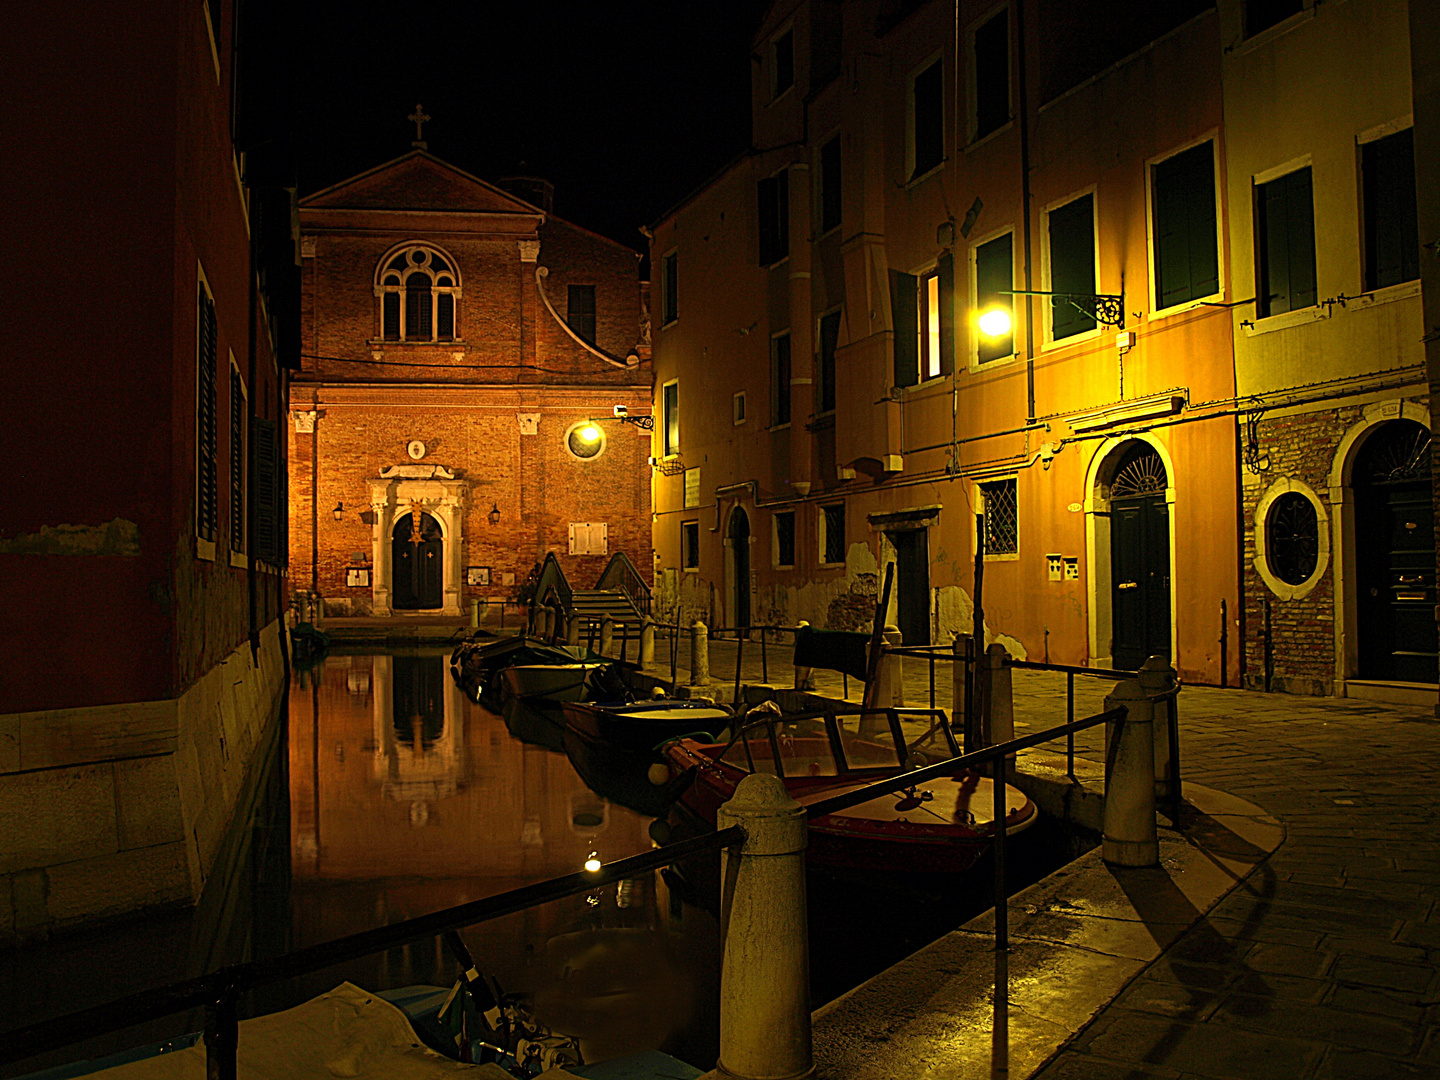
(803, 747)
(866, 741)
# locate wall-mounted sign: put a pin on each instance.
(477, 575)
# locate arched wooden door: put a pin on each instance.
(416, 560)
(1139, 558)
(1395, 554)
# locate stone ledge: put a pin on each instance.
(56, 738)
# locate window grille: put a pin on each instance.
(1002, 534)
(834, 524)
(1140, 473)
(1292, 538)
(238, 416)
(418, 291)
(207, 448)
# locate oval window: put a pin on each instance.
(1292, 538)
(585, 441)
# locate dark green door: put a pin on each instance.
(912, 585)
(416, 564)
(1139, 560)
(1395, 555)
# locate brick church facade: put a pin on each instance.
(464, 351)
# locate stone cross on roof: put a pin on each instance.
(418, 118)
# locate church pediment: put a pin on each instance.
(418, 181)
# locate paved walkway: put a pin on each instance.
(1325, 961)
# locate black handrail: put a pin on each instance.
(227, 983)
(620, 575)
(847, 799)
(552, 579)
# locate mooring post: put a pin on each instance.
(890, 691)
(802, 674)
(765, 965)
(572, 630)
(647, 641)
(1000, 716)
(1130, 837)
(1157, 678)
(474, 614)
(607, 635)
(699, 654)
(959, 649)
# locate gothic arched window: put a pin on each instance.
(418, 289)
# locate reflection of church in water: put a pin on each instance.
(419, 731)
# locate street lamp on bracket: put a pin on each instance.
(1105, 308)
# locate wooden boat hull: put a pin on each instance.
(645, 725)
(555, 682)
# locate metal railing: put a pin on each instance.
(552, 580)
(742, 634)
(219, 992)
(620, 575)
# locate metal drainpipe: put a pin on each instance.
(1024, 111)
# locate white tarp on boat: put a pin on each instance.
(345, 1033)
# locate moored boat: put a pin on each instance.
(942, 825)
(644, 725)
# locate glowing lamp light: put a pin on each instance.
(995, 322)
(593, 863)
(589, 433)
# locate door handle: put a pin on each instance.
(1128, 585)
(1406, 579)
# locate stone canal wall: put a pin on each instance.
(113, 810)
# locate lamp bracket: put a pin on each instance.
(1105, 308)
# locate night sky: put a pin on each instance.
(625, 106)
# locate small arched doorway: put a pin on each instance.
(417, 559)
(1395, 554)
(739, 544)
(1139, 557)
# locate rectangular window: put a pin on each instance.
(669, 288)
(773, 194)
(927, 119)
(690, 545)
(737, 408)
(239, 417)
(830, 185)
(829, 335)
(905, 303)
(1072, 264)
(995, 270)
(780, 380)
(991, 64)
(782, 56)
(1284, 244)
(784, 538)
(670, 419)
(1002, 533)
(1263, 14)
(418, 308)
(580, 313)
(207, 422)
(832, 533)
(1186, 256)
(1392, 239)
(445, 316)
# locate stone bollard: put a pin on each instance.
(802, 674)
(1000, 716)
(572, 630)
(699, 654)
(607, 635)
(890, 691)
(474, 614)
(1157, 678)
(1130, 837)
(765, 966)
(540, 623)
(647, 642)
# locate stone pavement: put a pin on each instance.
(1324, 962)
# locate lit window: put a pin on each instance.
(670, 419)
(930, 325)
(418, 289)
(585, 440)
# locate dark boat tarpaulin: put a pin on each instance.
(836, 650)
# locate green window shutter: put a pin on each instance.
(1072, 264)
(1285, 244)
(905, 304)
(829, 335)
(265, 475)
(995, 270)
(1392, 240)
(1187, 258)
(945, 270)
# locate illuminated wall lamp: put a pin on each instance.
(339, 511)
(494, 515)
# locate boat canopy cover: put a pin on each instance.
(833, 650)
(347, 1032)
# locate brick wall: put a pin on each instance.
(1301, 447)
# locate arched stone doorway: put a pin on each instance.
(1130, 554)
(394, 496)
(417, 552)
(1395, 554)
(737, 559)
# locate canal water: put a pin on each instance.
(388, 794)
